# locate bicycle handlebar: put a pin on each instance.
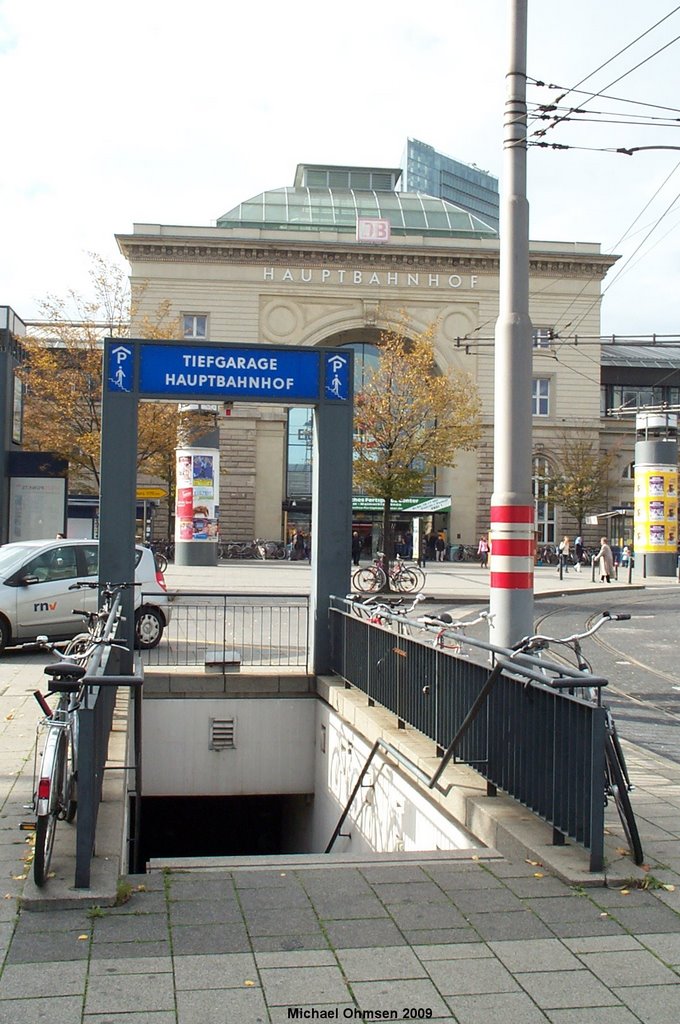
(108, 588)
(540, 638)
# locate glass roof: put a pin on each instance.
(317, 209)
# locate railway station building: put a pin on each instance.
(335, 259)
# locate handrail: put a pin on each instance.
(400, 759)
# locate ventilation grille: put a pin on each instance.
(222, 734)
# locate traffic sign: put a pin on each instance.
(146, 493)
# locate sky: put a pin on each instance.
(156, 111)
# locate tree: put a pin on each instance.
(63, 377)
(579, 477)
(410, 418)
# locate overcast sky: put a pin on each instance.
(165, 112)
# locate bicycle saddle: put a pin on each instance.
(65, 677)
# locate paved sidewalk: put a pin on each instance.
(467, 938)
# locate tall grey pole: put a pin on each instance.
(512, 505)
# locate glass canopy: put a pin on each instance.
(312, 209)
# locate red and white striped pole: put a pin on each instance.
(512, 504)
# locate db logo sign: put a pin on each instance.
(373, 229)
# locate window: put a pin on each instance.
(629, 472)
(194, 325)
(545, 511)
(542, 337)
(56, 564)
(540, 396)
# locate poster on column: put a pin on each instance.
(197, 498)
(656, 509)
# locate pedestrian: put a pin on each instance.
(440, 547)
(606, 560)
(564, 549)
(356, 547)
(483, 551)
(299, 546)
(422, 554)
(578, 552)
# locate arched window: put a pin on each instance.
(545, 510)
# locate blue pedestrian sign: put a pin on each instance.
(120, 368)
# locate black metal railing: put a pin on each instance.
(95, 720)
(260, 630)
(542, 746)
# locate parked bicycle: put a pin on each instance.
(403, 577)
(384, 610)
(55, 772)
(617, 784)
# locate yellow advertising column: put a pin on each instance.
(656, 492)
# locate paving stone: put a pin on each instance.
(426, 915)
(225, 970)
(354, 934)
(653, 919)
(562, 989)
(331, 909)
(460, 951)
(450, 879)
(244, 1006)
(602, 925)
(538, 888)
(131, 928)
(485, 902)
(629, 968)
(200, 886)
(602, 943)
(141, 903)
(378, 874)
(58, 979)
(130, 965)
(141, 992)
(199, 911)
(380, 962)
(210, 938)
(290, 943)
(264, 879)
(520, 924)
(271, 899)
(594, 1015)
(653, 1005)
(131, 951)
(34, 948)
(280, 922)
(146, 1017)
(398, 995)
(422, 891)
(567, 908)
(470, 977)
(296, 958)
(303, 985)
(536, 955)
(499, 1008)
(51, 1010)
(54, 921)
(440, 936)
(665, 945)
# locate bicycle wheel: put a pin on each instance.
(71, 779)
(368, 580)
(46, 824)
(616, 785)
(406, 582)
(161, 562)
(416, 571)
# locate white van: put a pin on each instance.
(35, 599)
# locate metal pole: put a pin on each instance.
(512, 504)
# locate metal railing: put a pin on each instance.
(248, 628)
(543, 747)
(95, 720)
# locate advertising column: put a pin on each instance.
(656, 492)
(197, 498)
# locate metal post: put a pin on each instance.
(512, 505)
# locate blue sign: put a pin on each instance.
(278, 374)
(120, 368)
(336, 379)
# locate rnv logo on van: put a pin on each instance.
(45, 606)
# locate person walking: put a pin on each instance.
(440, 547)
(606, 560)
(578, 552)
(356, 547)
(564, 549)
(483, 551)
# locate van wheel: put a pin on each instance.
(148, 628)
(5, 634)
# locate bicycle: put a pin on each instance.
(446, 623)
(402, 577)
(384, 611)
(55, 779)
(617, 782)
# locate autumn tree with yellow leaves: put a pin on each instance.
(62, 374)
(410, 418)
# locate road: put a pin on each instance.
(639, 657)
